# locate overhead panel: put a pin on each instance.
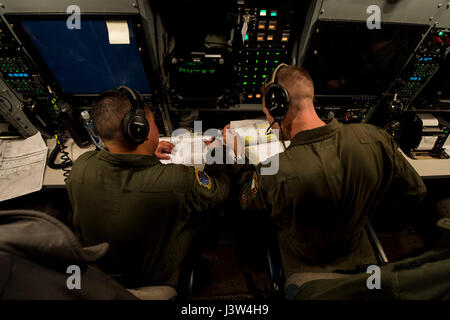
(60, 6)
(392, 11)
(443, 15)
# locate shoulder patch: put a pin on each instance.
(203, 179)
(254, 187)
(244, 197)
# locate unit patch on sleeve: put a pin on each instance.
(203, 179)
(255, 185)
(244, 197)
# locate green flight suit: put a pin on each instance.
(150, 213)
(330, 180)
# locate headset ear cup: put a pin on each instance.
(276, 101)
(135, 128)
(140, 125)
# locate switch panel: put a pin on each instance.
(267, 41)
(423, 65)
(15, 67)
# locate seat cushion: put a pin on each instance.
(300, 279)
(154, 293)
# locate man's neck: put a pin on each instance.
(118, 149)
(305, 118)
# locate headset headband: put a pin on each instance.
(274, 74)
(132, 94)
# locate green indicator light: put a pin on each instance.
(265, 69)
(212, 71)
(245, 76)
(263, 82)
(273, 14)
(256, 69)
(254, 76)
(262, 12)
(257, 61)
(276, 61)
(257, 53)
(264, 76)
(268, 52)
(441, 34)
(245, 83)
(247, 52)
(277, 53)
(246, 61)
(204, 71)
(267, 61)
(246, 37)
(254, 82)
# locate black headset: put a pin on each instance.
(135, 125)
(276, 96)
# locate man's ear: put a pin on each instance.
(268, 116)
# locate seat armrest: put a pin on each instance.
(276, 273)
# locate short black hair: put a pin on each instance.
(108, 111)
(305, 87)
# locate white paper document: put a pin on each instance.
(259, 146)
(118, 32)
(22, 166)
(189, 150)
(253, 131)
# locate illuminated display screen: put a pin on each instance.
(18, 75)
(195, 68)
(348, 58)
(83, 61)
(204, 79)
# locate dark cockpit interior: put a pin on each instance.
(199, 65)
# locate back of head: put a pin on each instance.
(108, 112)
(297, 82)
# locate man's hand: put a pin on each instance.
(232, 140)
(163, 150)
(212, 143)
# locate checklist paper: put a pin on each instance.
(259, 146)
(22, 166)
(189, 150)
(118, 32)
